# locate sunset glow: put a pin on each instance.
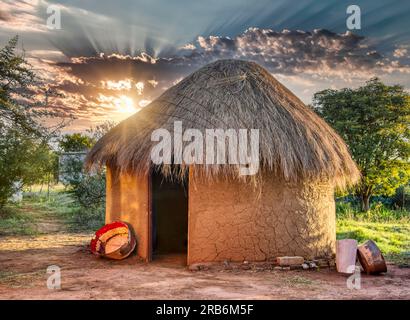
(121, 104)
(117, 85)
(118, 66)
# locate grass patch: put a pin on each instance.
(55, 207)
(14, 221)
(393, 238)
(389, 228)
(377, 213)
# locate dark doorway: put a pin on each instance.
(169, 225)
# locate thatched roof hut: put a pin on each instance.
(302, 160)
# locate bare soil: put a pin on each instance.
(24, 260)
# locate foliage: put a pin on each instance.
(401, 199)
(43, 167)
(71, 169)
(25, 156)
(59, 207)
(76, 142)
(75, 177)
(24, 160)
(374, 121)
(88, 188)
(15, 79)
(378, 212)
(81, 142)
(90, 191)
(13, 221)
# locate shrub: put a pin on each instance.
(379, 212)
(89, 193)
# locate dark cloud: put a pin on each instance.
(292, 52)
(286, 52)
(320, 54)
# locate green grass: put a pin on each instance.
(377, 213)
(390, 237)
(389, 229)
(14, 221)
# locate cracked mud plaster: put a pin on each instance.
(229, 220)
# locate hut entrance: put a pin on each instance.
(169, 217)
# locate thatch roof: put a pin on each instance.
(294, 142)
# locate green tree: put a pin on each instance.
(374, 122)
(43, 167)
(76, 142)
(21, 135)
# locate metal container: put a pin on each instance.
(371, 258)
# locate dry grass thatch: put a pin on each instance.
(231, 94)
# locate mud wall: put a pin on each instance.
(128, 200)
(233, 221)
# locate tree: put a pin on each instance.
(88, 188)
(76, 142)
(42, 168)
(21, 135)
(374, 122)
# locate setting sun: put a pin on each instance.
(119, 104)
(124, 104)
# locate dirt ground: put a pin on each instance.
(24, 260)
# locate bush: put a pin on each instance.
(345, 210)
(88, 219)
(89, 193)
(379, 212)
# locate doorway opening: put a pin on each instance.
(169, 218)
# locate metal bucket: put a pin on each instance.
(371, 258)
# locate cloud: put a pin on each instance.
(400, 52)
(21, 15)
(101, 85)
(4, 16)
(319, 52)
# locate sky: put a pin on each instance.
(110, 59)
